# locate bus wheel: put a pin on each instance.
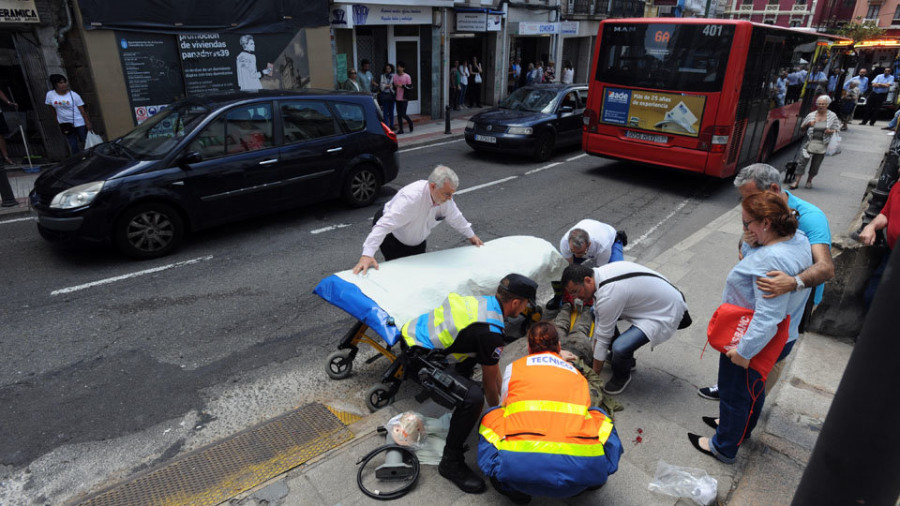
(768, 148)
(543, 150)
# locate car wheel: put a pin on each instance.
(543, 150)
(361, 186)
(149, 230)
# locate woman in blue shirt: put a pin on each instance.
(773, 227)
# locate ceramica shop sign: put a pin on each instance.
(18, 11)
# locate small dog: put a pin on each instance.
(790, 171)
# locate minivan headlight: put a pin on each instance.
(77, 196)
(519, 130)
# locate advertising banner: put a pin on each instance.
(670, 113)
(152, 72)
(349, 16)
(471, 21)
(161, 68)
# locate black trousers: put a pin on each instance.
(873, 106)
(6, 191)
(392, 248)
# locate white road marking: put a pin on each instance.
(407, 150)
(329, 229)
(582, 155)
(16, 220)
(545, 167)
(642, 238)
(127, 276)
(485, 185)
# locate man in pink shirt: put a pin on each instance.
(401, 228)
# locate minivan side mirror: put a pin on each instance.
(566, 109)
(190, 157)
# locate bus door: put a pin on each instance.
(759, 94)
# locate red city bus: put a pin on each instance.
(703, 95)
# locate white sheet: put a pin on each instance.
(407, 287)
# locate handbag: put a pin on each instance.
(67, 128)
(834, 145)
(815, 147)
(727, 327)
(477, 78)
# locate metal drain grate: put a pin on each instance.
(222, 470)
(345, 416)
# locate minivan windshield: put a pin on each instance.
(671, 57)
(530, 99)
(154, 138)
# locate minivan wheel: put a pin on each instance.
(361, 186)
(149, 231)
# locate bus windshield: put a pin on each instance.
(672, 57)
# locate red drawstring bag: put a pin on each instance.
(729, 324)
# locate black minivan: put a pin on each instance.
(216, 158)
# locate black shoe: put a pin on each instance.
(459, 473)
(399, 131)
(711, 421)
(11, 203)
(695, 441)
(514, 496)
(617, 385)
(553, 303)
(410, 127)
(711, 393)
(886, 128)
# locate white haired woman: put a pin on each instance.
(819, 126)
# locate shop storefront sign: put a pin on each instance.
(471, 21)
(531, 28)
(349, 16)
(494, 22)
(568, 28)
(18, 11)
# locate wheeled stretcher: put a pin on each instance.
(400, 290)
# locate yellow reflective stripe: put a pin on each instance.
(489, 435)
(575, 450)
(552, 406)
(605, 430)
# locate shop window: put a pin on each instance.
(306, 119)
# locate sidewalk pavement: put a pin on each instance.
(661, 402)
(427, 131)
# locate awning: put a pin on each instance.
(180, 16)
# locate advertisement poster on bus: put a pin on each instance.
(671, 113)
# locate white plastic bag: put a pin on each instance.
(694, 484)
(834, 145)
(92, 140)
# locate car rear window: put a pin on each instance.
(353, 115)
(306, 119)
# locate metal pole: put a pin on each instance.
(447, 119)
(856, 459)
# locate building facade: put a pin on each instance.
(818, 15)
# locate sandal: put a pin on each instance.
(794, 185)
(808, 185)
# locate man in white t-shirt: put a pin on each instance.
(401, 228)
(589, 241)
(631, 292)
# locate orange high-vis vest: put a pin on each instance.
(546, 439)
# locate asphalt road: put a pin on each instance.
(111, 365)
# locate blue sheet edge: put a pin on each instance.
(350, 298)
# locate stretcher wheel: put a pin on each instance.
(378, 397)
(339, 364)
